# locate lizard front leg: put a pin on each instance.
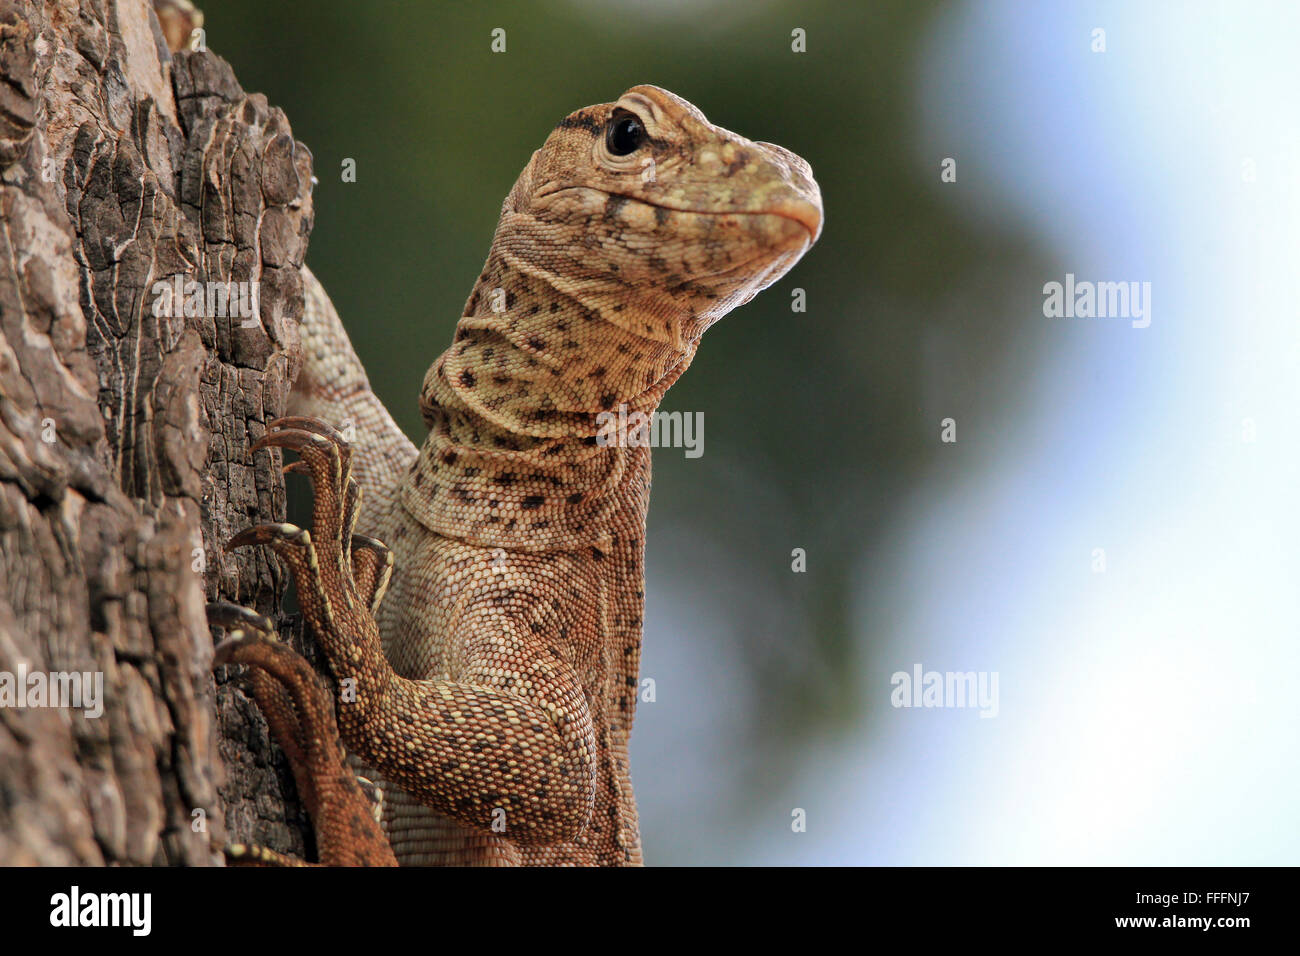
(517, 764)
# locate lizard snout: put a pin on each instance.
(791, 191)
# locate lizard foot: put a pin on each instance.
(299, 712)
(355, 568)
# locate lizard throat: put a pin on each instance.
(512, 458)
(476, 482)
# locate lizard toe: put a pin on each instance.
(306, 423)
(230, 617)
(272, 534)
(372, 567)
(250, 854)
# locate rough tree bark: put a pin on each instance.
(124, 435)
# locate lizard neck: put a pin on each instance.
(512, 458)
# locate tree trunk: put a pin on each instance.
(125, 425)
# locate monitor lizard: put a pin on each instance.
(487, 653)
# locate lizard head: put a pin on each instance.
(636, 226)
(687, 218)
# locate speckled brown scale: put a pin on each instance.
(497, 680)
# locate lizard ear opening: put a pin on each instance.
(522, 193)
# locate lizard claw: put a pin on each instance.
(295, 547)
(372, 567)
(369, 543)
(296, 432)
(272, 534)
(292, 438)
(326, 460)
(243, 627)
(315, 425)
(231, 617)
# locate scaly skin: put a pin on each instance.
(298, 711)
(497, 704)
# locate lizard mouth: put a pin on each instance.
(756, 270)
(794, 208)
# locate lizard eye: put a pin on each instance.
(624, 134)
